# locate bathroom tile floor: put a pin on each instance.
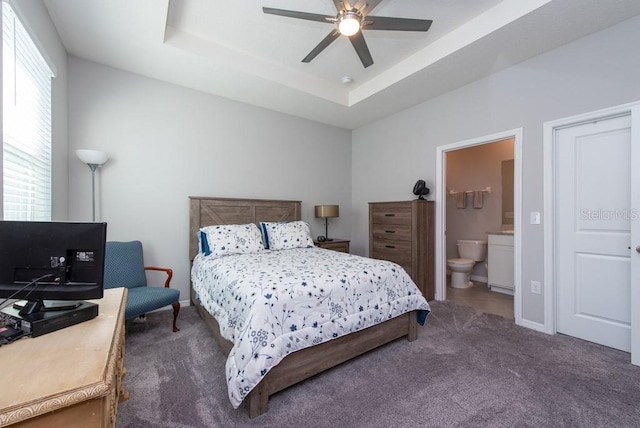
(483, 299)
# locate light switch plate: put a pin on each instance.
(535, 217)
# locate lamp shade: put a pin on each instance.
(327, 211)
(92, 157)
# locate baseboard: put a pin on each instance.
(479, 278)
(533, 326)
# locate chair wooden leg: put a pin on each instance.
(176, 310)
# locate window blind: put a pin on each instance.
(26, 166)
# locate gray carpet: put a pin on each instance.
(467, 369)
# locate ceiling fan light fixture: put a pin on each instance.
(349, 22)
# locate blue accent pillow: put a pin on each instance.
(204, 245)
(265, 235)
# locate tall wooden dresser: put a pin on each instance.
(403, 232)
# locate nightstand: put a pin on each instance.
(336, 245)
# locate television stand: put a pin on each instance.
(69, 378)
(46, 321)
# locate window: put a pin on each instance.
(26, 115)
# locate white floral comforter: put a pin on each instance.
(272, 303)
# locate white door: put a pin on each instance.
(593, 231)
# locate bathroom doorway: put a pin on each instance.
(478, 196)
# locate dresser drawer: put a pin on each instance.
(404, 264)
(407, 268)
(395, 251)
(391, 214)
(395, 232)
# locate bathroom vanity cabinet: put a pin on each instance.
(500, 263)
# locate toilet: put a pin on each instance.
(470, 252)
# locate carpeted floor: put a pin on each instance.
(467, 369)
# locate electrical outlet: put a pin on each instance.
(536, 287)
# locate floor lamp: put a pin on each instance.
(93, 158)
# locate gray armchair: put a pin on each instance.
(124, 267)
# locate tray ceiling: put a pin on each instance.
(232, 49)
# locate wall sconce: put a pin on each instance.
(94, 159)
(326, 212)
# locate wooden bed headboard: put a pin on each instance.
(205, 211)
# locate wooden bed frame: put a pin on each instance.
(302, 364)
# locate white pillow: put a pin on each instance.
(282, 236)
(226, 239)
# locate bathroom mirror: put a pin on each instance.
(507, 194)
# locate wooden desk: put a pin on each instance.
(69, 378)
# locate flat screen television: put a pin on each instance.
(44, 263)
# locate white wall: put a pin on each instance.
(167, 143)
(597, 71)
(35, 17)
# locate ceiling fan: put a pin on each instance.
(350, 21)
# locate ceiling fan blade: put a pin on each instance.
(341, 5)
(366, 6)
(357, 40)
(396, 24)
(322, 45)
(300, 15)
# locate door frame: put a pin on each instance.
(441, 203)
(550, 161)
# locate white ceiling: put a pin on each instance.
(232, 49)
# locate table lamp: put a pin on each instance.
(326, 212)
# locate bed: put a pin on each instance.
(309, 361)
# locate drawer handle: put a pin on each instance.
(389, 231)
(390, 246)
(389, 215)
